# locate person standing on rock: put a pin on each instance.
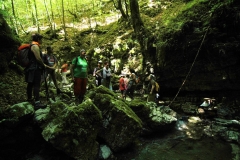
(34, 71)
(122, 85)
(50, 60)
(106, 75)
(99, 75)
(153, 89)
(131, 85)
(79, 76)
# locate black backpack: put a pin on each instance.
(23, 55)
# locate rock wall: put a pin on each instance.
(204, 52)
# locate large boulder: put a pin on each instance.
(18, 135)
(72, 129)
(155, 118)
(224, 129)
(120, 126)
(13, 116)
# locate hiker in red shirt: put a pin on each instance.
(122, 85)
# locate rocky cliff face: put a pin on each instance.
(204, 53)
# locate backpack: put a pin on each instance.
(137, 79)
(49, 60)
(23, 55)
(157, 86)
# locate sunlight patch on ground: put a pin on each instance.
(83, 25)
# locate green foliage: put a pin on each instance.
(4, 85)
(3, 13)
(220, 4)
(25, 11)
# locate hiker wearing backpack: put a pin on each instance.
(131, 85)
(50, 60)
(34, 71)
(153, 89)
(99, 75)
(79, 76)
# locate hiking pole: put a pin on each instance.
(46, 85)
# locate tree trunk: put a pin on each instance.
(54, 27)
(48, 16)
(28, 6)
(126, 7)
(59, 11)
(121, 9)
(15, 18)
(36, 15)
(138, 27)
(64, 27)
(118, 6)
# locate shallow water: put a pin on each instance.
(185, 142)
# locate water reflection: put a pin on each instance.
(186, 142)
(191, 126)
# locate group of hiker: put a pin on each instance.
(127, 82)
(103, 74)
(43, 66)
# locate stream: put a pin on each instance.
(185, 142)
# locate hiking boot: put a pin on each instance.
(39, 105)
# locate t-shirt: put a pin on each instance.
(152, 83)
(64, 67)
(80, 69)
(122, 84)
(94, 72)
(49, 60)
